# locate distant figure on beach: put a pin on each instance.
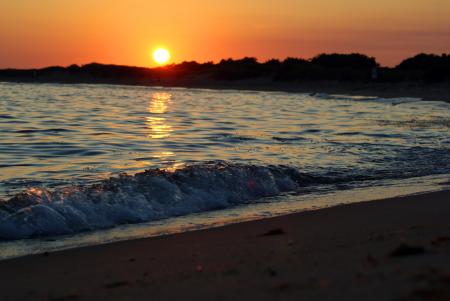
(374, 73)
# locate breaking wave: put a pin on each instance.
(147, 196)
(158, 194)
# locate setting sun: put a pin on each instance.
(161, 56)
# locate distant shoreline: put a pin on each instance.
(425, 76)
(431, 92)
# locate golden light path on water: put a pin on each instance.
(159, 125)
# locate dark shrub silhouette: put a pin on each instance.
(293, 68)
(245, 68)
(345, 66)
(426, 67)
(344, 61)
(336, 67)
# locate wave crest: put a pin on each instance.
(147, 196)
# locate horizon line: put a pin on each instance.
(229, 58)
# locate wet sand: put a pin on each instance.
(426, 91)
(430, 92)
(393, 249)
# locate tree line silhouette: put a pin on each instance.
(427, 68)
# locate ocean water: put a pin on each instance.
(84, 158)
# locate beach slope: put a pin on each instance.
(393, 249)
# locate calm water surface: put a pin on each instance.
(57, 136)
(62, 134)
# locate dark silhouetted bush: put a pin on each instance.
(245, 68)
(340, 67)
(426, 67)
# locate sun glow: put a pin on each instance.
(161, 56)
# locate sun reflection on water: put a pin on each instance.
(157, 123)
(159, 126)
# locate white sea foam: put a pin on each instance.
(151, 195)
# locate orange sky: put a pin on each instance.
(61, 32)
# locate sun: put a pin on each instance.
(161, 56)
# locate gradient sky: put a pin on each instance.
(61, 32)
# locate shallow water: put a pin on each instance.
(266, 208)
(216, 149)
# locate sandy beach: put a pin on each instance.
(430, 92)
(393, 249)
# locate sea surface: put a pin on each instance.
(82, 158)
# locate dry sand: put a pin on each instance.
(394, 249)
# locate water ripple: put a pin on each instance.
(52, 135)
